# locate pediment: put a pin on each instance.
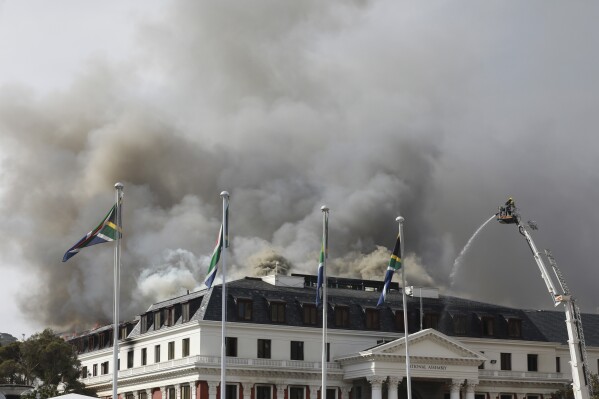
(426, 344)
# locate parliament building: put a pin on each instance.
(458, 348)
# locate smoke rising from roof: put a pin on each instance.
(431, 111)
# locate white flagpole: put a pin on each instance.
(325, 305)
(117, 286)
(225, 239)
(400, 220)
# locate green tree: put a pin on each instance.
(46, 361)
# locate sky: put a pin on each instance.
(436, 111)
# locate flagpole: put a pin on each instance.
(325, 243)
(117, 283)
(400, 220)
(225, 240)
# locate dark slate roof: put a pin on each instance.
(553, 325)
(547, 326)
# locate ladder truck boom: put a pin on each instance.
(580, 374)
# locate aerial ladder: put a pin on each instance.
(581, 378)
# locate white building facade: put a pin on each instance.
(465, 349)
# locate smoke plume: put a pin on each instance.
(434, 111)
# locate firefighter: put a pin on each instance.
(509, 206)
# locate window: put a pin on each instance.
(144, 356)
(277, 312)
(558, 365)
(244, 309)
(123, 332)
(533, 361)
(142, 395)
(231, 346)
(130, 359)
(91, 342)
(480, 396)
(488, 324)
(171, 350)
(129, 395)
(372, 319)
(185, 312)
(103, 368)
(185, 347)
(341, 316)
(157, 354)
(95, 370)
(328, 351)
(431, 320)
(459, 324)
(506, 361)
(514, 328)
(84, 372)
(171, 393)
(264, 348)
(297, 393)
(399, 324)
(185, 392)
(358, 392)
(143, 324)
(309, 311)
(231, 392)
(504, 396)
(297, 350)
(169, 316)
(331, 393)
(263, 392)
(118, 365)
(157, 320)
(102, 339)
(482, 365)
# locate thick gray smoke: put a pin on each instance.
(435, 111)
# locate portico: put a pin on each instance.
(434, 357)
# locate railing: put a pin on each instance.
(200, 360)
(525, 375)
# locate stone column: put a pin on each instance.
(192, 389)
(212, 389)
(376, 383)
(392, 387)
(247, 390)
(135, 394)
(314, 391)
(281, 391)
(163, 392)
(455, 386)
(470, 387)
(149, 393)
(178, 388)
(345, 388)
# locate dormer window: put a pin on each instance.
(309, 313)
(487, 326)
(157, 320)
(341, 316)
(431, 320)
(514, 328)
(277, 311)
(185, 312)
(372, 319)
(244, 308)
(169, 316)
(459, 324)
(123, 332)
